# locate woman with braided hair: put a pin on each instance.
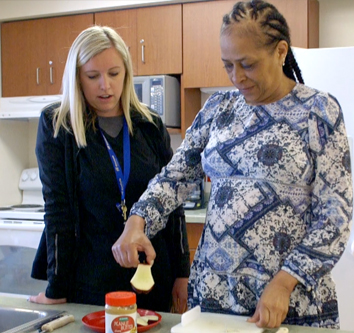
(281, 191)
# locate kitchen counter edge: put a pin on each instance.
(80, 310)
(195, 215)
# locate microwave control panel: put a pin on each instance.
(156, 95)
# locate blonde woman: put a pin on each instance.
(100, 125)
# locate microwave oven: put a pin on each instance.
(162, 94)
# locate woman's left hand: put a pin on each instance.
(42, 299)
(273, 305)
(179, 295)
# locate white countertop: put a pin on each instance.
(195, 215)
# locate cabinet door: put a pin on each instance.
(34, 53)
(194, 231)
(124, 22)
(23, 56)
(61, 32)
(159, 40)
(202, 66)
(303, 20)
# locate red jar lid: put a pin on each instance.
(121, 298)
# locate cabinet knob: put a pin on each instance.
(33, 176)
(24, 176)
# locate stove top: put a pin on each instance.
(22, 214)
(22, 211)
(24, 208)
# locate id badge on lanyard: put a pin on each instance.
(122, 178)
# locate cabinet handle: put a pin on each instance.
(142, 51)
(51, 75)
(37, 75)
(51, 72)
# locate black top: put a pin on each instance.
(82, 221)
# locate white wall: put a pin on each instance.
(336, 23)
(14, 152)
(32, 136)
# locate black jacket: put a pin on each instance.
(63, 242)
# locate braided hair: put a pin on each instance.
(273, 26)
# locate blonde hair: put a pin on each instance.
(71, 113)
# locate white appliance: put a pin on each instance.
(332, 70)
(162, 94)
(21, 227)
(25, 106)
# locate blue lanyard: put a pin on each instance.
(122, 179)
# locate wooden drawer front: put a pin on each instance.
(194, 231)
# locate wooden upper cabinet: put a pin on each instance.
(302, 17)
(34, 53)
(61, 32)
(202, 66)
(124, 22)
(160, 39)
(153, 34)
(22, 48)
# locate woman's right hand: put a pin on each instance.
(273, 306)
(132, 241)
(42, 299)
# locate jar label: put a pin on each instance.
(121, 323)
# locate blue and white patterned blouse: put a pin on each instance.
(281, 198)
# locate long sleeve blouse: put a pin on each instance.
(281, 198)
